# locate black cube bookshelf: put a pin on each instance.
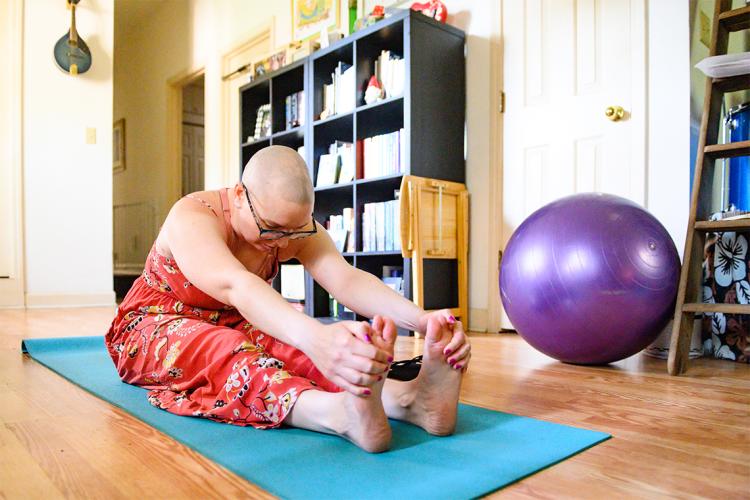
(430, 110)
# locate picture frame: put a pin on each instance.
(118, 146)
(309, 17)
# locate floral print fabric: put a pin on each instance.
(200, 357)
(726, 279)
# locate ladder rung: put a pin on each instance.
(699, 307)
(722, 225)
(728, 150)
(736, 19)
(732, 83)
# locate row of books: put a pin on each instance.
(337, 166)
(384, 154)
(341, 229)
(381, 226)
(339, 96)
(262, 122)
(294, 110)
(390, 70)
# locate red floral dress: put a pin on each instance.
(200, 357)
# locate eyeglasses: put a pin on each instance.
(273, 234)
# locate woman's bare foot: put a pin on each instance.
(367, 424)
(431, 400)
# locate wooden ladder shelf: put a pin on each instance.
(688, 303)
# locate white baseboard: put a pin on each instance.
(478, 320)
(39, 300)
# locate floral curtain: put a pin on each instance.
(726, 279)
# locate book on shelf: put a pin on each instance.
(338, 165)
(328, 169)
(293, 281)
(383, 155)
(262, 123)
(393, 277)
(339, 95)
(390, 71)
(294, 106)
(341, 229)
(381, 222)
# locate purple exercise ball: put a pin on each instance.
(590, 278)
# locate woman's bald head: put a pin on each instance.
(279, 172)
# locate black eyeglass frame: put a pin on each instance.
(275, 234)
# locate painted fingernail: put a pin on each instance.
(367, 392)
(390, 359)
(380, 378)
(447, 352)
(368, 339)
(451, 361)
(452, 318)
(458, 367)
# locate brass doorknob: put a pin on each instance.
(614, 113)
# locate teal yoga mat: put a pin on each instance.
(489, 450)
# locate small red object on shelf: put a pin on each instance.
(433, 8)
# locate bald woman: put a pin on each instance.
(204, 331)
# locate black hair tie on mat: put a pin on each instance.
(407, 369)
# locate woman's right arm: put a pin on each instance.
(197, 244)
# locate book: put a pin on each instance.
(328, 169)
(294, 109)
(262, 122)
(293, 281)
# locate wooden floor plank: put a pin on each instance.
(674, 437)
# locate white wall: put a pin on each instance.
(67, 183)
(668, 174)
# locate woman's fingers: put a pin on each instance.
(356, 377)
(370, 351)
(366, 365)
(457, 340)
(464, 365)
(458, 359)
(351, 388)
(360, 329)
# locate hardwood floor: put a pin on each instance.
(686, 437)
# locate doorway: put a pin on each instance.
(193, 136)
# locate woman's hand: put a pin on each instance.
(453, 341)
(344, 354)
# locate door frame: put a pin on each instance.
(12, 289)
(496, 167)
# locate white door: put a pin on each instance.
(193, 158)
(565, 62)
